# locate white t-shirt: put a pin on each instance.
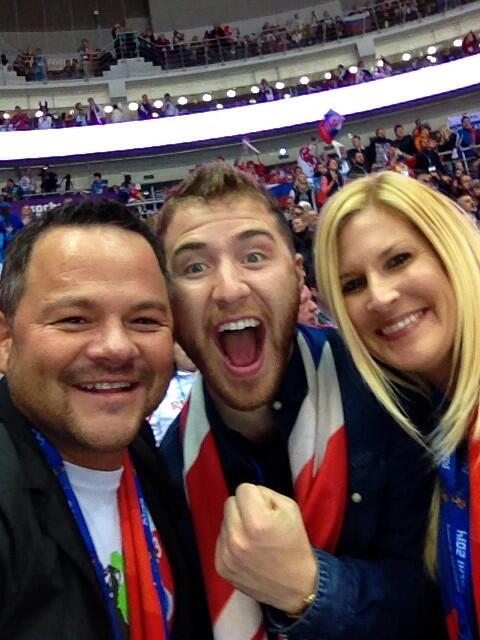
(97, 495)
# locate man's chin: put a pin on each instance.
(242, 397)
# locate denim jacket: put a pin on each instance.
(374, 587)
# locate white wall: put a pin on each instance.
(248, 15)
(63, 42)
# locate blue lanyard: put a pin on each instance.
(56, 463)
(454, 542)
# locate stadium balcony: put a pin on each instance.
(132, 66)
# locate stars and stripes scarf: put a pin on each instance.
(317, 449)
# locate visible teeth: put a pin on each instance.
(402, 323)
(105, 386)
(239, 325)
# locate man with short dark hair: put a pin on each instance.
(403, 141)
(12, 191)
(168, 108)
(87, 547)
(357, 146)
(98, 185)
(358, 166)
(307, 503)
(469, 206)
(467, 136)
(427, 160)
(376, 152)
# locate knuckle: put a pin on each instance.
(238, 547)
(258, 531)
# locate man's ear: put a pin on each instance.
(5, 342)
(299, 270)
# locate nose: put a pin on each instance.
(382, 293)
(112, 345)
(229, 286)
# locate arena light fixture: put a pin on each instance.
(304, 80)
(108, 108)
(380, 63)
(207, 97)
(287, 96)
(155, 115)
(283, 152)
(36, 147)
(182, 101)
(158, 104)
(432, 50)
(432, 59)
(231, 93)
(457, 42)
(328, 75)
(6, 116)
(353, 69)
(219, 105)
(38, 114)
(254, 89)
(406, 57)
(133, 106)
(279, 85)
(252, 101)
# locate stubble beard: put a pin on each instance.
(247, 395)
(51, 412)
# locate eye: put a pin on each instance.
(146, 323)
(195, 268)
(254, 257)
(399, 259)
(73, 320)
(353, 285)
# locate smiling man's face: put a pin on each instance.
(88, 353)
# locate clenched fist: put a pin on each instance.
(263, 548)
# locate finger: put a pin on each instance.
(232, 520)
(253, 509)
(260, 508)
(251, 497)
(231, 542)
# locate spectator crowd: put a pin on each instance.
(445, 159)
(224, 42)
(146, 108)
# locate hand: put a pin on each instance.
(263, 548)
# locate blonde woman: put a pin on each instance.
(399, 267)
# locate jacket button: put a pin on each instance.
(277, 405)
(356, 497)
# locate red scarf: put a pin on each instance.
(317, 449)
(144, 609)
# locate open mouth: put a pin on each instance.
(241, 342)
(107, 387)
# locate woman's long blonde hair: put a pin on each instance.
(457, 244)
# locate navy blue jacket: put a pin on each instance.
(374, 587)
